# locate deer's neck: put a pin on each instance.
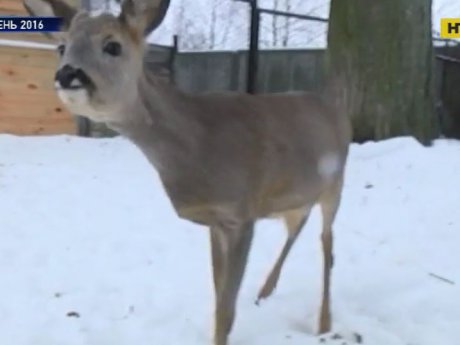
(160, 120)
(152, 105)
(165, 124)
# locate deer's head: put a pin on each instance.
(100, 57)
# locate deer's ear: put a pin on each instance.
(143, 16)
(53, 8)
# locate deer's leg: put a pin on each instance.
(295, 220)
(217, 259)
(230, 249)
(330, 202)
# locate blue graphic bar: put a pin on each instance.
(30, 24)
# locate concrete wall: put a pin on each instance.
(302, 70)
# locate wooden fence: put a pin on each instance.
(28, 102)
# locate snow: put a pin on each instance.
(87, 229)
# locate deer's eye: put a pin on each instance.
(112, 48)
(61, 49)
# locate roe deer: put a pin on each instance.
(225, 159)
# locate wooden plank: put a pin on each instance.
(15, 104)
(12, 7)
(32, 116)
(19, 126)
(15, 7)
(28, 77)
(26, 36)
(28, 56)
(34, 110)
(28, 102)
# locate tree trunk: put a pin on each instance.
(380, 58)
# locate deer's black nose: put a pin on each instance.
(66, 75)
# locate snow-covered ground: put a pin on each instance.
(91, 252)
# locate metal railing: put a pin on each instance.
(256, 13)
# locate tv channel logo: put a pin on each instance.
(450, 28)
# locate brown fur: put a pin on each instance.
(225, 159)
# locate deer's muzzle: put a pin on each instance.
(71, 78)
